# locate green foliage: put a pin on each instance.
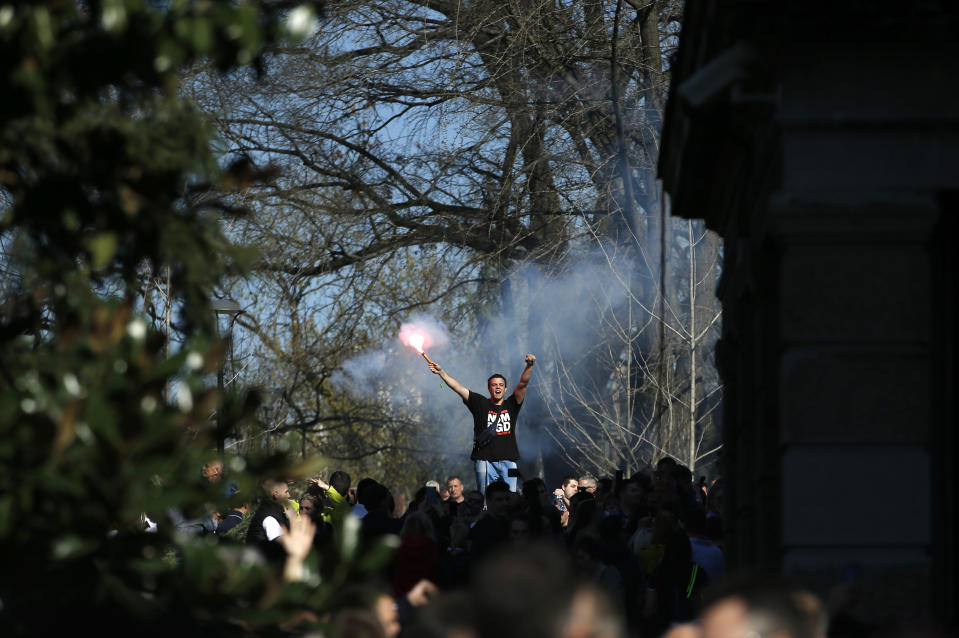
(106, 174)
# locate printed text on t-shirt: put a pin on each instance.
(503, 427)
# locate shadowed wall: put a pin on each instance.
(820, 140)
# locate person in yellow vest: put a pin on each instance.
(337, 492)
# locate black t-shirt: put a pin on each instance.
(484, 411)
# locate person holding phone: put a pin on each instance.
(495, 451)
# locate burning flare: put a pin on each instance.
(416, 341)
(416, 338)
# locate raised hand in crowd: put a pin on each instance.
(421, 593)
(320, 483)
(297, 540)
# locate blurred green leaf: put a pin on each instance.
(103, 247)
(109, 179)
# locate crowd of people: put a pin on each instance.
(637, 556)
(638, 551)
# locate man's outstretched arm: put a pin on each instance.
(520, 391)
(454, 385)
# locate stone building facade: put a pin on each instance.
(821, 140)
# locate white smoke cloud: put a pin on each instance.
(551, 316)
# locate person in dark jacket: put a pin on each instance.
(270, 518)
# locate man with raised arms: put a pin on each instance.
(494, 424)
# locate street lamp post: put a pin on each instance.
(232, 308)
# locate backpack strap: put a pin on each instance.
(491, 428)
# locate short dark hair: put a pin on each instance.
(366, 492)
(567, 479)
(340, 481)
(375, 497)
(496, 376)
(662, 463)
(267, 486)
(497, 486)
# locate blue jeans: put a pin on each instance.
(490, 471)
